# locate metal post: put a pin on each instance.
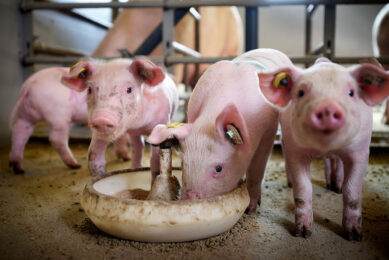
(309, 10)
(251, 28)
(26, 40)
(114, 11)
(329, 31)
(167, 36)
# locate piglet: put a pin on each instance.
(230, 129)
(123, 96)
(44, 98)
(329, 115)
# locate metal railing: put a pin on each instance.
(166, 28)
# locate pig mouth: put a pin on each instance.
(327, 131)
(107, 137)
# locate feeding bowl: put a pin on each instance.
(116, 205)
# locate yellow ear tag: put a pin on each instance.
(82, 73)
(74, 66)
(281, 80)
(174, 125)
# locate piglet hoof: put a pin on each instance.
(75, 166)
(303, 231)
(251, 210)
(333, 187)
(16, 167)
(354, 234)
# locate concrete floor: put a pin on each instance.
(41, 217)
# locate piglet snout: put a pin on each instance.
(191, 195)
(103, 126)
(327, 116)
(103, 123)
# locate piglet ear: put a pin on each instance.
(147, 72)
(373, 83)
(162, 132)
(277, 85)
(76, 77)
(231, 127)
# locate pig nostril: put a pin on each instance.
(338, 116)
(319, 115)
(95, 126)
(103, 127)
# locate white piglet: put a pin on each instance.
(329, 115)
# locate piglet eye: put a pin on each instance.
(351, 93)
(129, 90)
(218, 169)
(301, 93)
(89, 90)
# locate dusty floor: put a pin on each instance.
(41, 217)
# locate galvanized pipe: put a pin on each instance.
(180, 48)
(29, 5)
(31, 59)
(309, 11)
(195, 14)
(329, 31)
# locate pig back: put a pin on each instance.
(44, 98)
(237, 82)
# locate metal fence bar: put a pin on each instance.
(309, 11)
(27, 5)
(167, 36)
(26, 41)
(31, 59)
(252, 28)
(329, 31)
(180, 48)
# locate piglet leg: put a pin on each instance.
(298, 170)
(256, 170)
(21, 132)
(121, 147)
(288, 178)
(334, 174)
(96, 156)
(59, 139)
(137, 147)
(354, 170)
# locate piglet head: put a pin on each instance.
(116, 91)
(326, 100)
(212, 156)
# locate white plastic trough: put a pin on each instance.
(158, 221)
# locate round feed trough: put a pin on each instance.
(117, 205)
